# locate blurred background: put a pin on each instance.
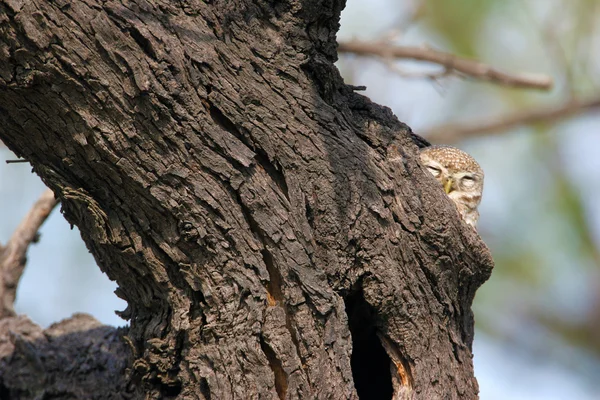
(538, 317)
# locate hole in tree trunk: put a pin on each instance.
(370, 363)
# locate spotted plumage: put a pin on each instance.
(460, 176)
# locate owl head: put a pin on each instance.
(460, 176)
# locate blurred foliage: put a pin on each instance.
(457, 22)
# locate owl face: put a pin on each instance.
(460, 176)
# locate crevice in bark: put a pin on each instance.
(281, 378)
(402, 380)
(222, 121)
(199, 302)
(274, 294)
(275, 172)
(170, 391)
(4, 391)
(205, 388)
(369, 362)
(127, 25)
(309, 212)
(143, 42)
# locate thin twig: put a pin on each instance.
(452, 133)
(434, 76)
(449, 61)
(12, 257)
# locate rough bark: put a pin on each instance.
(271, 230)
(77, 358)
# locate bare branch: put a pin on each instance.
(452, 133)
(12, 257)
(433, 76)
(449, 61)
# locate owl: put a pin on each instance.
(460, 176)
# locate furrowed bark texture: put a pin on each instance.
(272, 231)
(76, 358)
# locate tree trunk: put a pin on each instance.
(271, 230)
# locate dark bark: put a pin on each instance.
(77, 358)
(257, 214)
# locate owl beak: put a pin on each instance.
(448, 185)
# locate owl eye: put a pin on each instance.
(434, 171)
(467, 182)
